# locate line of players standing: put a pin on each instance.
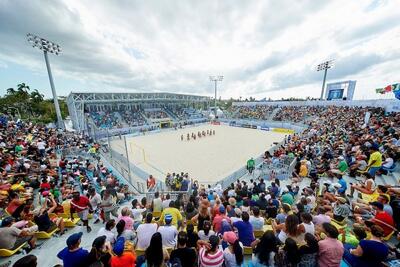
(199, 135)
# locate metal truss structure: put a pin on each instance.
(77, 102)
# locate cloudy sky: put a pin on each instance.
(263, 48)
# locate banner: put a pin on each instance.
(283, 130)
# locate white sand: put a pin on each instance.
(207, 159)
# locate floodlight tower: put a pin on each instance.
(324, 66)
(216, 79)
(48, 47)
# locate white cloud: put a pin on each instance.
(263, 48)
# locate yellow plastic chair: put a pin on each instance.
(247, 250)
(75, 215)
(339, 225)
(71, 223)
(139, 252)
(170, 250)
(156, 214)
(67, 221)
(44, 234)
(267, 227)
(258, 233)
(7, 252)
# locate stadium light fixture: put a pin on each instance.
(324, 66)
(216, 79)
(48, 47)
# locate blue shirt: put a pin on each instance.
(343, 185)
(73, 259)
(245, 230)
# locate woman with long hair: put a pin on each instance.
(190, 211)
(100, 252)
(290, 228)
(309, 251)
(122, 231)
(264, 250)
(233, 254)
(156, 255)
(289, 255)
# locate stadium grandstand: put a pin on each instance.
(343, 185)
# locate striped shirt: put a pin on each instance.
(210, 260)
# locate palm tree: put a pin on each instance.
(36, 97)
(11, 91)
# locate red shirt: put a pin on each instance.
(45, 186)
(217, 222)
(81, 204)
(382, 218)
(126, 259)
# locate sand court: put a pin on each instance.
(207, 159)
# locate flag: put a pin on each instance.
(388, 88)
(396, 87)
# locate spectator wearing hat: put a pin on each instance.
(122, 258)
(168, 232)
(174, 212)
(286, 197)
(217, 222)
(187, 256)
(73, 255)
(245, 230)
(341, 167)
(233, 254)
(11, 237)
(209, 253)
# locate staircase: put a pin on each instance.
(170, 114)
(273, 113)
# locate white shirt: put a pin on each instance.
(168, 234)
(257, 222)
(165, 203)
(205, 237)
(41, 145)
(388, 163)
(137, 214)
(110, 236)
(95, 201)
(144, 233)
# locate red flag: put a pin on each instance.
(388, 88)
